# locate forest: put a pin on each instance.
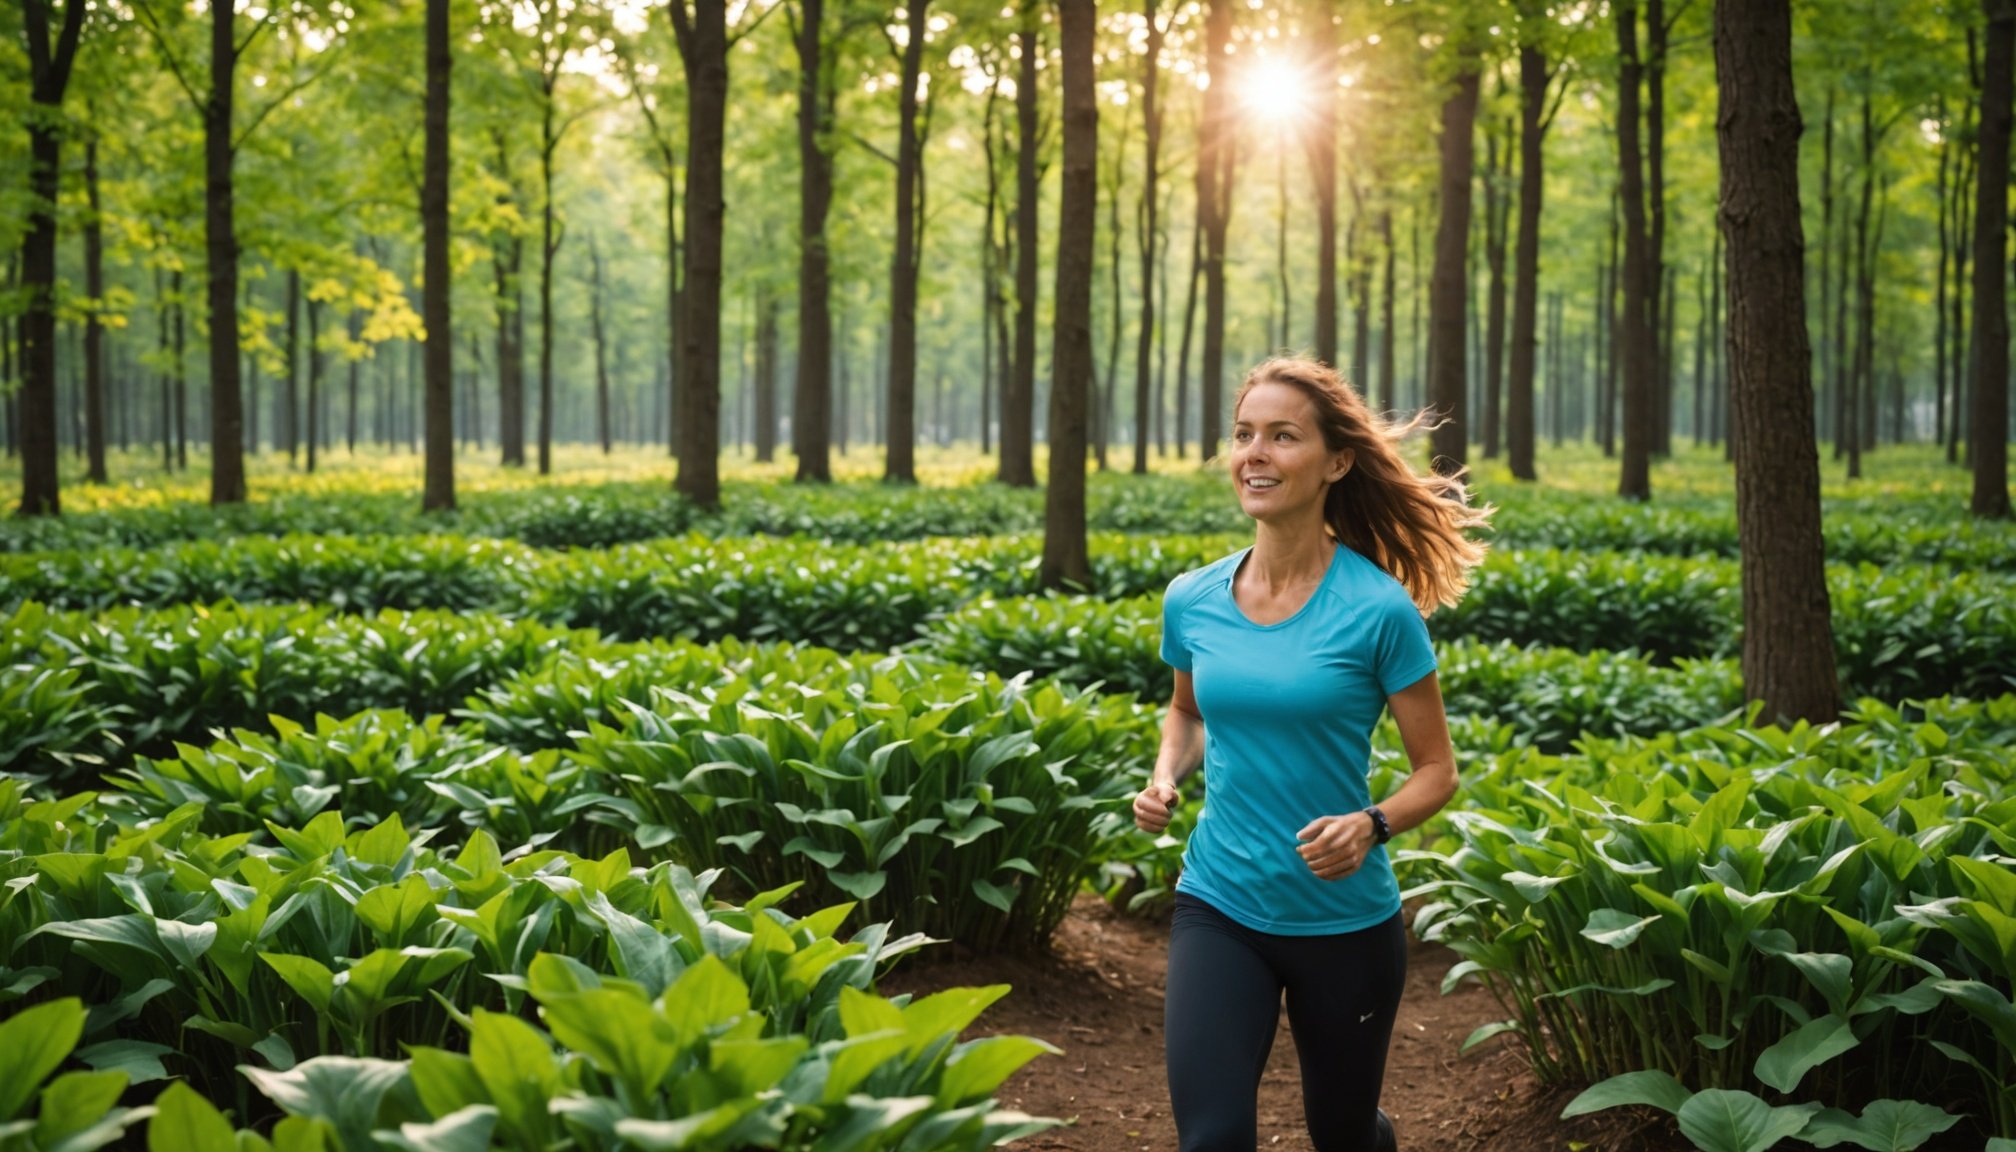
(591, 575)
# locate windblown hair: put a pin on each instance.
(1409, 523)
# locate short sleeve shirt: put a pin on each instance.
(1288, 714)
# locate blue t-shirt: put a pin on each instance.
(1288, 713)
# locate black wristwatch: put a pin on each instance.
(1381, 831)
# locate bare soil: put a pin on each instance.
(1098, 996)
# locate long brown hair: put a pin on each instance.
(1409, 523)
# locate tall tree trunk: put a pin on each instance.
(251, 388)
(764, 425)
(438, 489)
(1939, 282)
(901, 449)
(1497, 207)
(1963, 245)
(314, 379)
(1701, 279)
(1829, 370)
(1359, 289)
(94, 328)
(1857, 377)
(1788, 641)
(703, 45)
(549, 246)
(227, 416)
(505, 257)
(1322, 142)
(1519, 430)
(1446, 376)
(1389, 387)
(181, 377)
(1657, 302)
(1018, 391)
(1183, 352)
(1144, 341)
(812, 401)
(1634, 480)
(990, 276)
(1065, 559)
(675, 310)
(1988, 448)
(1606, 342)
(595, 331)
(1102, 417)
(1217, 162)
(287, 398)
(1841, 369)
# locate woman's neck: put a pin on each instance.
(1288, 555)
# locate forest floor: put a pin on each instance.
(1098, 996)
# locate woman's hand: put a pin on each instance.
(1335, 846)
(1153, 807)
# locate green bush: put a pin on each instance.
(964, 807)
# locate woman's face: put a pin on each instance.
(1279, 463)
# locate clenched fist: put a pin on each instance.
(1153, 806)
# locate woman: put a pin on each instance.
(1285, 655)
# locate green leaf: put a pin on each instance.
(309, 979)
(1487, 1031)
(1885, 1126)
(641, 952)
(138, 1059)
(1719, 1120)
(464, 1130)
(344, 1092)
(975, 1070)
(946, 1014)
(184, 1120)
(446, 1081)
(1805, 1048)
(516, 1066)
(32, 1044)
(73, 1105)
(1614, 929)
(1653, 1087)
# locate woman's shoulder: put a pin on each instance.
(1186, 587)
(1365, 582)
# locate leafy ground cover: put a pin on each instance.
(370, 836)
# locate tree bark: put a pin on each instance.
(595, 330)
(1656, 295)
(438, 489)
(1389, 387)
(763, 431)
(94, 328)
(1447, 391)
(1065, 559)
(1939, 282)
(1151, 128)
(1829, 371)
(901, 447)
(1519, 424)
(1322, 141)
(812, 400)
(1183, 348)
(1988, 446)
(49, 75)
(1788, 641)
(1018, 391)
(1497, 209)
(180, 375)
(703, 46)
(1634, 481)
(1856, 381)
(314, 380)
(1217, 162)
(287, 398)
(227, 417)
(549, 246)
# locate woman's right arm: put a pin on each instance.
(1182, 751)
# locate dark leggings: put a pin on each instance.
(1225, 987)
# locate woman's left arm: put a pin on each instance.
(1334, 846)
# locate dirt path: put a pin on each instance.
(1099, 998)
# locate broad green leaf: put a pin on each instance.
(75, 1103)
(138, 1059)
(32, 1044)
(1615, 929)
(945, 1014)
(1805, 1048)
(446, 1081)
(344, 1092)
(1884, 1126)
(516, 1066)
(1486, 1031)
(1719, 1120)
(464, 1130)
(975, 1070)
(641, 952)
(1654, 1088)
(306, 976)
(184, 1121)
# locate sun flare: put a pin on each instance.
(1273, 93)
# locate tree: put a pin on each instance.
(438, 494)
(1446, 376)
(49, 71)
(1322, 148)
(1065, 559)
(703, 47)
(1151, 124)
(1217, 163)
(1018, 391)
(1788, 641)
(1988, 451)
(901, 440)
(1634, 480)
(1535, 117)
(811, 415)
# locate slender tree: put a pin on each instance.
(900, 446)
(1217, 162)
(702, 33)
(1634, 480)
(1535, 117)
(438, 494)
(49, 65)
(1497, 211)
(1321, 140)
(1147, 226)
(812, 401)
(1446, 369)
(1065, 559)
(94, 325)
(1788, 641)
(1988, 447)
(1018, 391)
